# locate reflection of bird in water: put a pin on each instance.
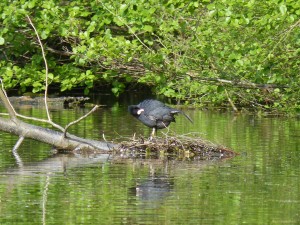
(155, 114)
(153, 191)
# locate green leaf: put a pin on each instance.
(283, 9)
(123, 7)
(31, 4)
(148, 28)
(115, 90)
(50, 76)
(44, 34)
(2, 41)
(86, 91)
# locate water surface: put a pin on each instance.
(260, 186)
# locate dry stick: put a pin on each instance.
(46, 73)
(81, 118)
(34, 119)
(231, 102)
(46, 66)
(103, 136)
(7, 104)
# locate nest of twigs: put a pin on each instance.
(177, 147)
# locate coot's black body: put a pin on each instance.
(155, 114)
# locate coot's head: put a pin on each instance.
(135, 110)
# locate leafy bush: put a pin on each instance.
(201, 52)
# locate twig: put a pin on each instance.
(283, 37)
(166, 133)
(78, 120)
(103, 135)
(37, 119)
(46, 67)
(231, 102)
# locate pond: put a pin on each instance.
(259, 186)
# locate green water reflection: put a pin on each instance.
(260, 186)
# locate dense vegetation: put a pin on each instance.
(245, 53)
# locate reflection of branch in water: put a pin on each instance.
(45, 195)
(58, 163)
(15, 152)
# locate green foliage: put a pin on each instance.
(183, 49)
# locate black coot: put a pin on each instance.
(155, 114)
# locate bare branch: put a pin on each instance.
(78, 120)
(231, 102)
(36, 119)
(46, 68)
(64, 53)
(235, 83)
(6, 102)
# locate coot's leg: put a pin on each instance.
(152, 133)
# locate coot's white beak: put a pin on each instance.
(140, 111)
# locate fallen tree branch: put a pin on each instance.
(54, 138)
(235, 83)
(45, 135)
